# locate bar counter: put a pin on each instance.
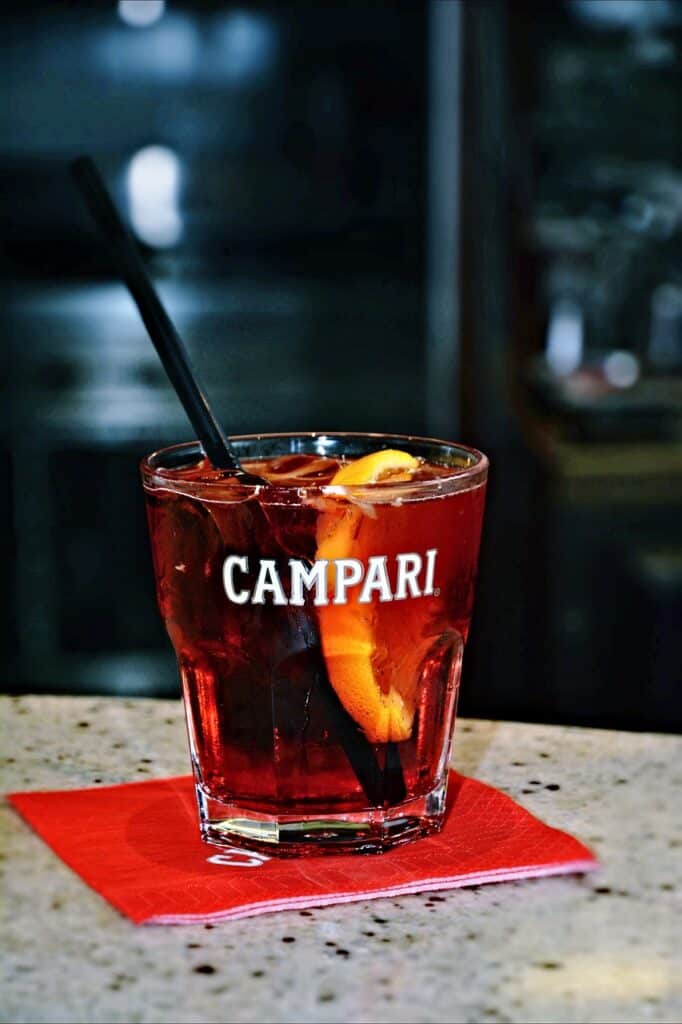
(602, 947)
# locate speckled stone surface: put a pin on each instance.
(600, 948)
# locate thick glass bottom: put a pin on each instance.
(294, 835)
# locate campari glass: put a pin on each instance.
(319, 622)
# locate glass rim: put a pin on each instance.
(462, 477)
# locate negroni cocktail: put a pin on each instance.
(319, 622)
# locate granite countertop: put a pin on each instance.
(602, 947)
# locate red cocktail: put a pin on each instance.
(319, 624)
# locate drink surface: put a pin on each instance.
(295, 471)
(290, 605)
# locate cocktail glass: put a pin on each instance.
(319, 624)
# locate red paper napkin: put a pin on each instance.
(138, 846)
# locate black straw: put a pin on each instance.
(357, 747)
(395, 790)
(383, 787)
(378, 786)
(162, 332)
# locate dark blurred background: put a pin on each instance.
(459, 219)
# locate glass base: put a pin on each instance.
(371, 831)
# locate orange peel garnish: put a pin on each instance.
(356, 668)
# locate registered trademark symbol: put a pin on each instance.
(436, 592)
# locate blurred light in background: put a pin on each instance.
(153, 181)
(621, 369)
(168, 50)
(565, 337)
(246, 41)
(665, 345)
(638, 213)
(616, 14)
(140, 13)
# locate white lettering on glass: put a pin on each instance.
(231, 563)
(414, 577)
(430, 570)
(376, 580)
(409, 567)
(315, 576)
(268, 581)
(349, 572)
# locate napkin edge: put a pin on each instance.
(423, 885)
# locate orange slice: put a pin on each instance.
(347, 631)
(389, 464)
